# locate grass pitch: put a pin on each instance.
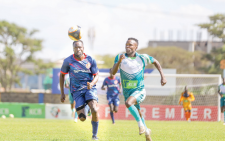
(57, 130)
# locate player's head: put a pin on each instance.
(110, 72)
(185, 89)
(78, 48)
(131, 45)
(186, 92)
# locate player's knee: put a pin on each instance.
(128, 104)
(94, 110)
(82, 117)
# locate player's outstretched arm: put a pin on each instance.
(93, 82)
(61, 82)
(103, 88)
(116, 65)
(219, 92)
(159, 68)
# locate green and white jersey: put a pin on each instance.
(132, 72)
(221, 88)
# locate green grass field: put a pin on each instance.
(57, 130)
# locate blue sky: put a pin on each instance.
(112, 25)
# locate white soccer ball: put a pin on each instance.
(11, 115)
(3, 116)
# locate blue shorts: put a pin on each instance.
(81, 97)
(222, 101)
(113, 100)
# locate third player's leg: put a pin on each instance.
(111, 107)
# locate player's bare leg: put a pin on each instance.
(115, 109)
(94, 111)
(147, 131)
(111, 106)
(75, 115)
(223, 112)
(81, 113)
(130, 102)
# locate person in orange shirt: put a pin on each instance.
(187, 97)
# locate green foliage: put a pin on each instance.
(108, 61)
(18, 46)
(177, 58)
(169, 57)
(216, 27)
(214, 58)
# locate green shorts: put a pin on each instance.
(222, 101)
(139, 95)
(70, 97)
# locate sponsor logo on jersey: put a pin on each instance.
(115, 85)
(88, 65)
(77, 71)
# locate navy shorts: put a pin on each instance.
(113, 100)
(81, 97)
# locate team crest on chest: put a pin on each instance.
(88, 65)
(115, 82)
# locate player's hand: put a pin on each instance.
(120, 91)
(103, 88)
(89, 85)
(121, 58)
(221, 95)
(63, 97)
(163, 81)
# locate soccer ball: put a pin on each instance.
(75, 33)
(11, 115)
(3, 116)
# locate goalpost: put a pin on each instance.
(161, 102)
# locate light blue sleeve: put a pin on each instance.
(148, 59)
(117, 59)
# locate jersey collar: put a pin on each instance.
(80, 60)
(112, 78)
(136, 54)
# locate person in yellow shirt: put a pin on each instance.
(187, 97)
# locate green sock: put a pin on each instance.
(143, 121)
(133, 110)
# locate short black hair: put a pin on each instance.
(136, 40)
(78, 41)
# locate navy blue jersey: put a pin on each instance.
(113, 85)
(80, 72)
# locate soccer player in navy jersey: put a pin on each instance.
(83, 74)
(113, 89)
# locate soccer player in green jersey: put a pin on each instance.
(132, 67)
(221, 91)
(72, 102)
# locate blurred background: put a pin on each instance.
(186, 37)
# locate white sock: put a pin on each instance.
(140, 123)
(147, 132)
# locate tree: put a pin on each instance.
(214, 58)
(216, 26)
(169, 57)
(108, 61)
(177, 58)
(17, 47)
